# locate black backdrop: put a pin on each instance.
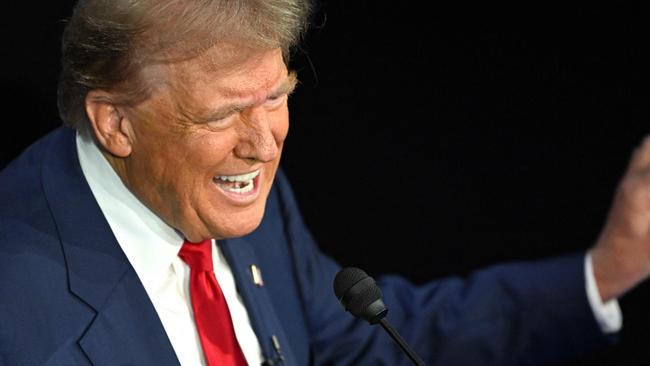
(432, 140)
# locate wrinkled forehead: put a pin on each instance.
(220, 76)
(231, 69)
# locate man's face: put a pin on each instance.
(206, 146)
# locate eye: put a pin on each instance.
(275, 101)
(221, 121)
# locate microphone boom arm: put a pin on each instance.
(401, 342)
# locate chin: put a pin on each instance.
(237, 228)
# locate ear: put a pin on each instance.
(111, 127)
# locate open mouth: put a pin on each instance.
(239, 184)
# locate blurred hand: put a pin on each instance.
(621, 256)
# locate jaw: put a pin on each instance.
(224, 214)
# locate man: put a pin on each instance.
(161, 231)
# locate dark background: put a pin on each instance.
(432, 140)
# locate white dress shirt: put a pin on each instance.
(608, 315)
(166, 277)
(152, 247)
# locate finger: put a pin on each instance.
(641, 156)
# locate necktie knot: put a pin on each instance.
(197, 255)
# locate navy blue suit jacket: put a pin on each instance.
(68, 295)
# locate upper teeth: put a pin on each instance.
(239, 178)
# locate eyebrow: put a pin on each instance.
(287, 87)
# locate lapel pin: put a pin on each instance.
(257, 276)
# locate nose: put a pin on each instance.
(258, 140)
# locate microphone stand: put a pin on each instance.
(401, 342)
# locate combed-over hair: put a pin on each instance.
(106, 43)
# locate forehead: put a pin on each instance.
(228, 71)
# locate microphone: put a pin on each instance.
(360, 295)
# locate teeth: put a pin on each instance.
(245, 189)
(243, 183)
(240, 187)
(239, 178)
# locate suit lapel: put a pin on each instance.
(126, 329)
(241, 256)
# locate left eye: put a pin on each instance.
(275, 100)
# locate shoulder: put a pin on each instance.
(37, 307)
(21, 182)
(282, 202)
(29, 242)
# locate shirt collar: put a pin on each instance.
(148, 242)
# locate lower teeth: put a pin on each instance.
(240, 187)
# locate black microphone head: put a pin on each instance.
(359, 294)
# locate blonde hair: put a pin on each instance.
(107, 43)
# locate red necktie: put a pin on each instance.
(211, 315)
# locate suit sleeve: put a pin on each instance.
(532, 313)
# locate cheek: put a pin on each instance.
(280, 126)
(211, 148)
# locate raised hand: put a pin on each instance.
(621, 256)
